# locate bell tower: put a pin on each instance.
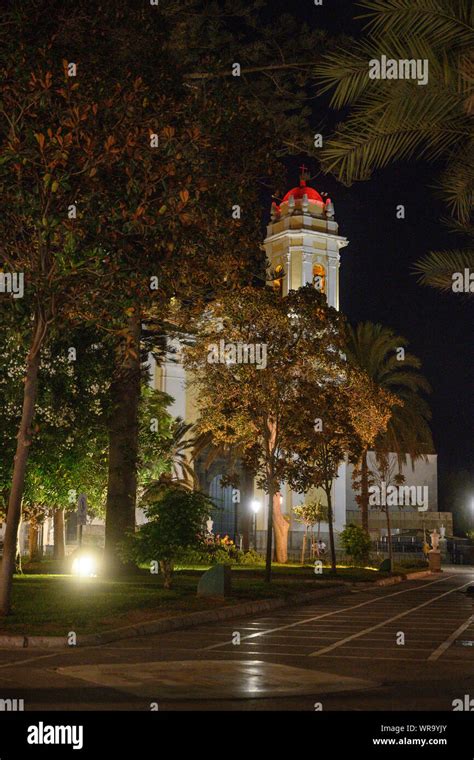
(302, 243)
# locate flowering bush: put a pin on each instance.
(221, 548)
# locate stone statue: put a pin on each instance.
(209, 525)
(442, 530)
(434, 535)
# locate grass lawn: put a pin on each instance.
(53, 604)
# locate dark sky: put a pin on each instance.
(376, 281)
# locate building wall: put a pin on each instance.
(420, 473)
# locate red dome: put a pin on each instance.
(303, 189)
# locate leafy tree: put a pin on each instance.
(69, 449)
(254, 404)
(394, 119)
(350, 412)
(383, 471)
(312, 512)
(175, 518)
(135, 208)
(382, 354)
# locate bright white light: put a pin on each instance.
(255, 506)
(84, 567)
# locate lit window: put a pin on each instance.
(278, 281)
(319, 277)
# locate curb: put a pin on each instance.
(400, 578)
(166, 625)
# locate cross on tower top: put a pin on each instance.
(303, 172)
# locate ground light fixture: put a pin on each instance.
(84, 566)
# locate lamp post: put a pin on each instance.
(255, 507)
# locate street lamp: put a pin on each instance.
(255, 506)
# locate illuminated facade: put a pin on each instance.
(302, 245)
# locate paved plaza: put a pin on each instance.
(408, 646)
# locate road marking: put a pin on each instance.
(446, 644)
(341, 642)
(13, 663)
(328, 614)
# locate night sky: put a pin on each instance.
(376, 279)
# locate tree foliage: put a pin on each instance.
(356, 542)
(255, 405)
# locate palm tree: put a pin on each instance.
(177, 453)
(394, 119)
(381, 354)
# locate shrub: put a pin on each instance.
(356, 543)
(250, 558)
(419, 562)
(175, 525)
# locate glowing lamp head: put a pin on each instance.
(255, 506)
(84, 566)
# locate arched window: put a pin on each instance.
(225, 514)
(319, 277)
(278, 281)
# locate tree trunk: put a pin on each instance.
(364, 493)
(389, 537)
(33, 541)
(332, 546)
(123, 447)
(268, 558)
(166, 567)
(19, 467)
(59, 551)
(281, 528)
(303, 546)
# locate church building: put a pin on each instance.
(302, 245)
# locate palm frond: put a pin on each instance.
(392, 120)
(441, 22)
(437, 268)
(456, 184)
(374, 348)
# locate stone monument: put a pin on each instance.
(443, 542)
(434, 555)
(215, 582)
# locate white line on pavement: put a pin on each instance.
(446, 644)
(341, 642)
(328, 614)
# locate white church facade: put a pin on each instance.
(302, 245)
